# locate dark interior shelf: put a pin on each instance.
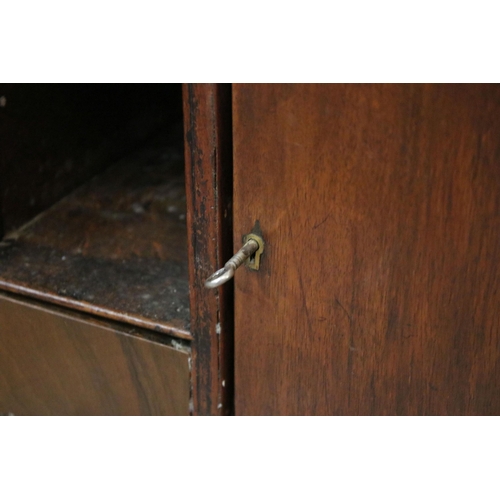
(115, 247)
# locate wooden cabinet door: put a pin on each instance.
(379, 287)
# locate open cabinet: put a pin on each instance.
(378, 292)
(94, 273)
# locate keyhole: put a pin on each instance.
(251, 259)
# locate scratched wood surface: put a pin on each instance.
(379, 287)
(58, 363)
(116, 247)
(208, 152)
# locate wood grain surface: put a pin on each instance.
(379, 287)
(57, 363)
(208, 143)
(115, 247)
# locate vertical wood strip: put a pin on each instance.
(207, 123)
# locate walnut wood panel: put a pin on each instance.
(379, 286)
(53, 363)
(207, 123)
(116, 247)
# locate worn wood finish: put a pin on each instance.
(116, 247)
(379, 287)
(53, 363)
(54, 137)
(207, 118)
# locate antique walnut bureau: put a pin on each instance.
(365, 220)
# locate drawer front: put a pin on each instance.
(53, 363)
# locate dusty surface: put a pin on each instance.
(115, 247)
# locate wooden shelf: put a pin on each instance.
(116, 247)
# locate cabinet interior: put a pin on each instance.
(93, 200)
